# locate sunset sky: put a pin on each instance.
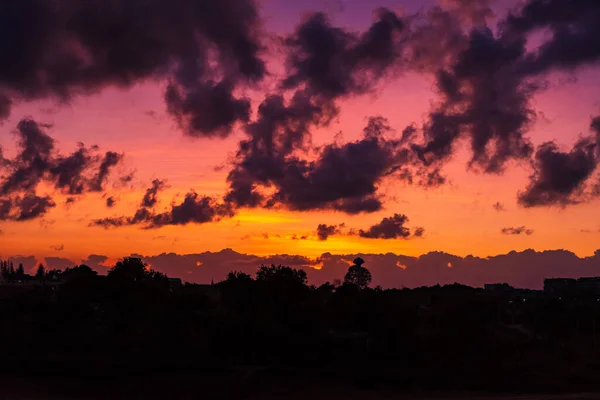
(523, 81)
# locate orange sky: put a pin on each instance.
(458, 218)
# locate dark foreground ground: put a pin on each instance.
(243, 384)
(133, 334)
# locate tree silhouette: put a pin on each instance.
(53, 274)
(237, 276)
(82, 271)
(4, 270)
(20, 271)
(281, 274)
(358, 275)
(41, 273)
(128, 269)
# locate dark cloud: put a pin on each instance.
(58, 263)
(108, 162)
(473, 12)
(58, 247)
(391, 228)
(96, 262)
(559, 177)
(324, 63)
(520, 269)
(299, 237)
(193, 209)
(419, 231)
(206, 109)
(32, 161)
(125, 179)
(150, 197)
(516, 230)
(575, 32)
(68, 172)
(6, 206)
(484, 98)
(324, 231)
(62, 49)
(31, 206)
(333, 62)
(430, 178)
(342, 177)
(25, 208)
(279, 130)
(29, 262)
(110, 201)
(498, 206)
(37, 162)
(486, 81)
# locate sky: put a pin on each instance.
(298, 128)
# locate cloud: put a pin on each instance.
(520, 269)
(210, 54)
(206, 109)
(498, 206)
(150, 197)
(575, 38)
(484, 98)
(29, 262)
(342, 177)
(193, 209)
(58, 247)
(324, 63)
(419, 231)
(32, 162)
(390, 228)
(81, 48)
(68, 171)
(110, 201)
(324, 231)
(37, 162)
(474, 12)
(516, 230)
(279, 130)
(559, 178)
(58, 263)
(333, 62)
(96, 262)
(108, 162)
(25, 208)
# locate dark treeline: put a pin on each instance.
(138, 321)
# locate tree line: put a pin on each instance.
(134, 320)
